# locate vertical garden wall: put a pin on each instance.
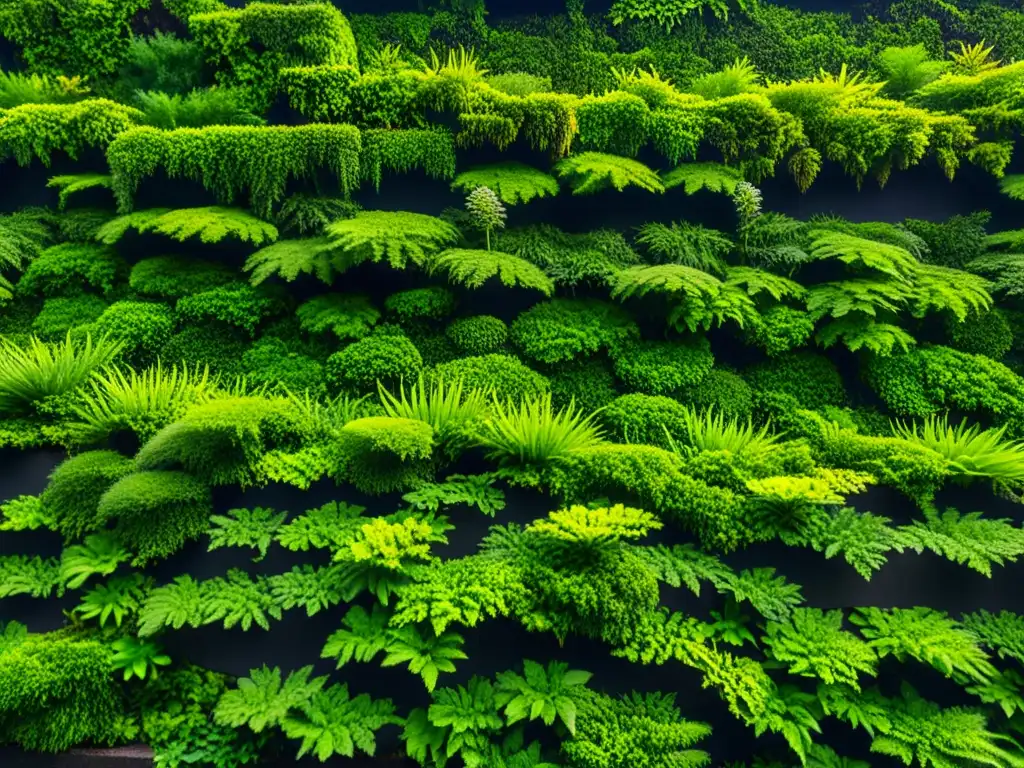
(633, 384)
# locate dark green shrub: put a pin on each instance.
(589, 383)
(58, 691)
(236, 304)
(564, 329)
(69, 268)
(663, 367)
(505, 375)
(60, 315)
(987, 334)
(271, 361)
(810, 378)
(162, 62)
(360, 365)
(725, 392)
(144, 328)
(781, 329)
(157, 512)
(173, 277)
(478, 335)
(955, 242)
(380, 454)
(72, 496)
(218, 346)
(433, 303)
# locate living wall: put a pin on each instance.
(408, 434)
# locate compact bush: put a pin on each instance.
(810, 378)
(223, 441)
(69, 268)
(478, 335)
(236, 304)
(380, 454)
(58, 690)
(156, 512)
(174, 277)
(590, 384)
(662, 367)
(724, 391)
(987, 334)
(360, 365)
(59, 316)
(647, 419)
(143, 328)
(73, 493)
(563, 329)
(219, 347)
(433, 303)
(501, 374)
(271, 361)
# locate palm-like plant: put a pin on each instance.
(971, 450)
(973, 59)
(710, 431)
(445, 406)
(39, 370)
(533, 432)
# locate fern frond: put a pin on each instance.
(70, 184)
(967, 539)
(319, 257)
(174, 605)
(398, 237)
(212, 224)
(690, 245)
(473, 268)
(886, 258)
(770, 595)
(238, 599)
(864, 295)
(513, 182)
(945, 289)
(325, 527)
(1012, 185)
(33, 576)
(254, 528)
(1005, 271)
(363, 637)
(1003, 632)
(758, 280)
(346, 316)
(315, 589)
(263, 699)
(592, 172)
(858, 332)
(693, 177)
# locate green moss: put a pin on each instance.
(662, 367)
(478, 335)
(434, 303)
(72, 496)
(589, 383)
(987, 334)
(724, 391)
(505, 375)
(271, 361)
(360, 365)
(60, 315)
(143, 327)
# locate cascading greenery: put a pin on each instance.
(662, 398)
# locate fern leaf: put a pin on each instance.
(426, 656)
(685, 565)
(364, 636)
(239, 599)
(325, 527)
(1003, 632)
(332, 723)
(70, 184)
(891, 260)
(863, 295)
(472, 268)
(714, 177)
(513, 182)
(33, 576)
(858, 332)
(690, 245)
(758, 280)
(174, 605)
(592, 172)
(211, 224)
(263, 700)
(952, 290)
(395, 236)
(253, 528)
(319, 257)
(1012, 185)
(966, 539)
(315, 589)
(926, 635)
(770, 595)
(100, 554)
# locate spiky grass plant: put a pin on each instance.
(323, 417)
(532, 431)
(141, 402)
(445, 406)
(709, 430)
(971, 450)
(36, 371)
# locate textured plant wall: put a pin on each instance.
(450, 387)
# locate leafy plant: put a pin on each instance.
(255, 528)
(473, 268)
(540, 693)
(211, 224)
(533, 432)
(513, 182)
(138, 658)
(591, 172)
(486, 211)
(426, 656)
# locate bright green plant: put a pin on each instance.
(393, 236)
(513, 183)
(533, 432)
(138, 658)
(592, 172)
(473, 268)
(486, 211)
